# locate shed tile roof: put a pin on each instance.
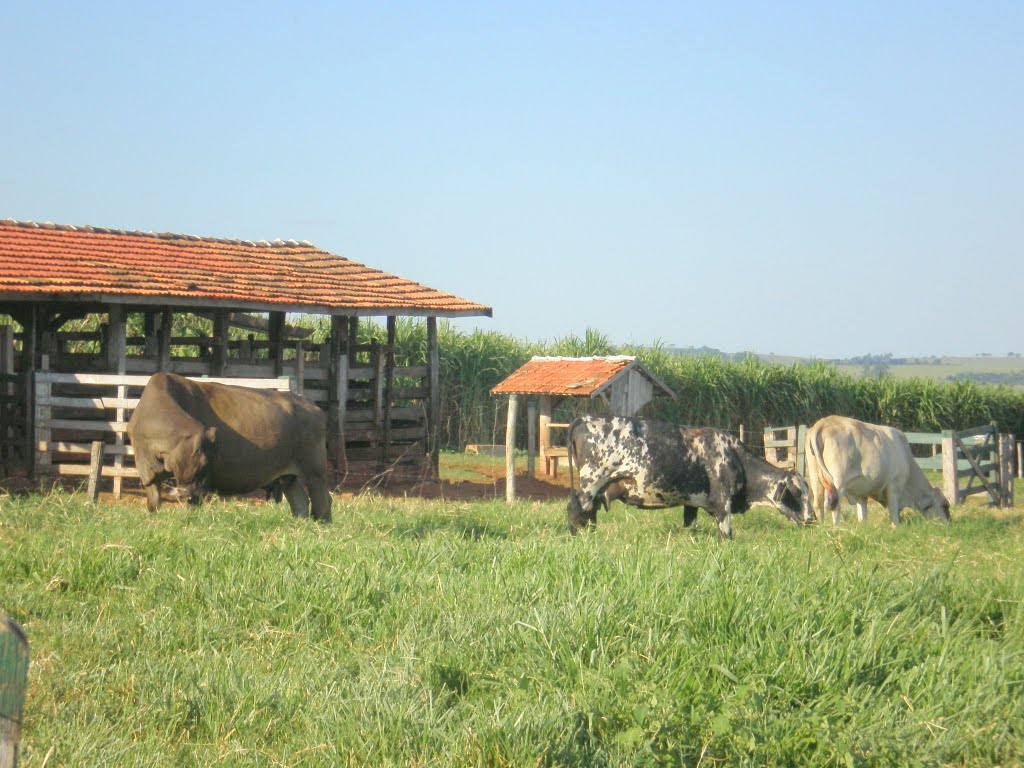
(92, 263)
(576, 376)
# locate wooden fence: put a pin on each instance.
(977, 460)
(784, 446)
(982, 457)
(14, 658)
(74, 411)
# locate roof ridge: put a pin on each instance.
(603, 358)
(158, 235)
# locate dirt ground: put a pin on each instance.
(486, 481)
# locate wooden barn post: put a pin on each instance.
(434, 395)
(7, 450)
(388, 388)
(28, 369)
(531, 438)
(13, 682)
(277, 334)
(219, 359)
(163, 344)
(116, 338)
(543, 428)
(337, 393)
(510, 449)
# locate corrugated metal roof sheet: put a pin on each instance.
(57, 261)
(576, 376)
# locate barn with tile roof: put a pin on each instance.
(238, 293)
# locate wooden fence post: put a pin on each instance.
(510, 449)
(531, 438)
(1006, 469)
(434, 396)
(950, 481)
(801, 440)
(13, 681)
(95, 470)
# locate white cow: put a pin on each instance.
(851, 458)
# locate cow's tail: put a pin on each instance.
(825, 479)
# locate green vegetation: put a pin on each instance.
(711, 391)
(452, 634)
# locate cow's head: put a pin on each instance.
(935, 505)
(190, 463)
(793, 499)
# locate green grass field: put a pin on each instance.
(416, 633)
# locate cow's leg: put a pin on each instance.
(153, 496)
(894, 509)
(837, 510)
(725, 520)
(578, 515)
(689, 516)
(297, 497)
(862, 509)
(320, 499)
(818, 502)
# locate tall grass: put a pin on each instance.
(445, 634)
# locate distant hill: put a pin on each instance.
(982, 368)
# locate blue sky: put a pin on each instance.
(656, 171)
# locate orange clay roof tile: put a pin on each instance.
(55, 261)
(576, 376)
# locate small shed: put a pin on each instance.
(621, 381)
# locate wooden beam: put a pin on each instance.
(257, 323)
(163, 345)
(510, 449)
(434, 394)
(337, 395)
(950, 481)
(544, 427)
(277, 342)
(389, 376)
(92, 491)
(28, 369)
(531, 438)
(353, 338)
(116, 339)
(219, 360)
(1006, 469)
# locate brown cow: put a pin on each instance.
(232, 440)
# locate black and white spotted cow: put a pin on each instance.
(655, 465)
